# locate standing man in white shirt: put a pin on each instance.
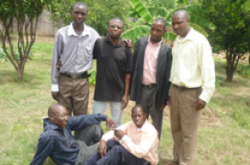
(74, 45)
(193, 84)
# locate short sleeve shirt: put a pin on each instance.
(113, 62)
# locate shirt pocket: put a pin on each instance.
(189, 56)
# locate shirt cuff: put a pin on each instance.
(54, 88)
(205, 96)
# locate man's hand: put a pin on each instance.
(199, 104)
(102, 149)
(128, 43)
(119, 133)
(55, 95)
(162, 107)
(110, 121)
(168, 103)
(58, 65)
(124, 101)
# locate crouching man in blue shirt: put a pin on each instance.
(60, 145)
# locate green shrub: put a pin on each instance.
(245, 71)
(92, 78)
(3, 57)
(218, 80)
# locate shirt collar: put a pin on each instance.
(144, 127)
(47, 123)
(120, 44)
(154, 44)
(85, 32)
(189, 36)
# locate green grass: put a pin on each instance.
(223, 137)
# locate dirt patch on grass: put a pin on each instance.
(242, 91)
(49, 39)
(208, 117)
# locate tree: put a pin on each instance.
(26, 14)
(145, 12)
(99, 12)
(232, 19)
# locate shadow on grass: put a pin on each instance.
(11, 77)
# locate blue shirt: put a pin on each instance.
(52, 144)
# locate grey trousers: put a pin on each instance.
(148, 103)
(88, 140)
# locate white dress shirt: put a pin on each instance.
(193, 64)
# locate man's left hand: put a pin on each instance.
(162, 107)
(119, 133)
(199, 104)
(124, 101)
(128, 43)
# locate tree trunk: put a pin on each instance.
(229, 68)
(230, 74)
(20, 74)
(249, 59)
(20, 71)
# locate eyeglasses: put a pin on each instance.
(62, 116)
(114, 26)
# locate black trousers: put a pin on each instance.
(148, 103)
(116, 155)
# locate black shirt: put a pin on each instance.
(113, 62)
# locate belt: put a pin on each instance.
(149, 86)
(83, 75)
(184, 88)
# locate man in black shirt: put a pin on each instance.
(114, 66)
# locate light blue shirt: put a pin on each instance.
(75, 52)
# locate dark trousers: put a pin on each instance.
(148, 103)
(116, 155)
(88, 141)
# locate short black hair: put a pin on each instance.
(116, 18)
(162, 21)
(79, 3)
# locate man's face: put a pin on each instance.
(60, 117)
(79, 13)
(157, 30)
(138, 117)
(115, 28)
(180, 25)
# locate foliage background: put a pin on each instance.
(99, 12)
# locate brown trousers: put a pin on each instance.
(74, 94)
(184, 124)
